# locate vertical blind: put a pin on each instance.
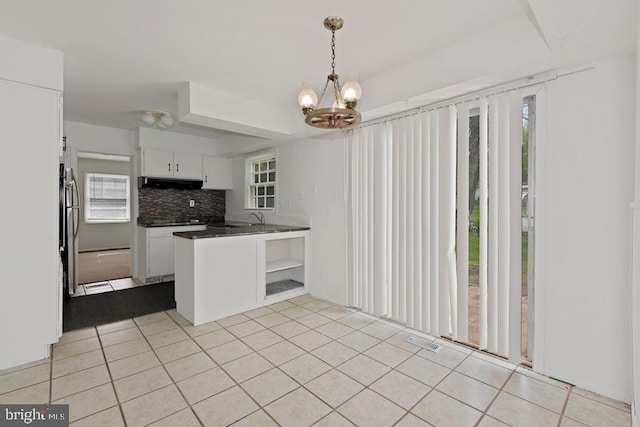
(409, 192)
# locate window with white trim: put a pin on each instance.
(106, 198)
(261, 181)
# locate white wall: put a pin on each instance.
(171, 141)
(585, 186)
(99, 139)
(310, 184)
(635, 283)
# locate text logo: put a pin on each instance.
(34, 415)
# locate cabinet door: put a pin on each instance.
(160, 256)
(187, 165)
(157, 164)
(217, 173)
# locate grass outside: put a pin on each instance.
(474, 243)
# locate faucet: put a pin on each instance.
(259, 216)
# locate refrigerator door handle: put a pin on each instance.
(75, 205)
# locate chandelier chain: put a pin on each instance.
(333, 51)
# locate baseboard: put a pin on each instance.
(103, 249)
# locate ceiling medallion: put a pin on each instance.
(342, 112)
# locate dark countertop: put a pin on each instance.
(213, 231)
(169, 224)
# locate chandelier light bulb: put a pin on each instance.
(308, 98)
(351, 91)
(167, 120)
(148, 118)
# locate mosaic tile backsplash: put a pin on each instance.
(162, 204)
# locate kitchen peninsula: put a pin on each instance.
(222, 271)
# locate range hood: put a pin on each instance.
(177, 183)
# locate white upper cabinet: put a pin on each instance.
(168, 164)
(217, 173)
(187, 165)
(157, 163)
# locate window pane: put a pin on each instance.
(106, 197)
(261, 182)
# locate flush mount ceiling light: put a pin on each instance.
(161, 119)
(342, 112)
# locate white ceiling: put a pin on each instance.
(123, 56)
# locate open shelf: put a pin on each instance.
(284, 268)
(282, 264)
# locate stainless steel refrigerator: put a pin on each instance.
(68, 230)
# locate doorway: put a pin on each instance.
(104, 228)
(527, 208)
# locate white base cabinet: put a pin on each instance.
(223, 276)
(157, 252)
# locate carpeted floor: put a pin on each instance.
(108, 307)
(98, 266)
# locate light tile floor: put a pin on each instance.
(108, 286)
(300, 362)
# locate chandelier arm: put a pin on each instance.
(336, 92)
(323, 91)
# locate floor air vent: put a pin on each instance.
(421, 342)
(96, 285)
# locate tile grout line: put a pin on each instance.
(564, 407)
(299, 385)
(173, 382)
(358, 353)
(305, 352)
(51, 376)
(603, 403)
(113, 384)
(260, 407)
(512, 372)
(434, 387)
(484, 413)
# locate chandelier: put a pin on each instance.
(342, 112)
(159, 118)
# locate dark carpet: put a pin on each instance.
(108, 307)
